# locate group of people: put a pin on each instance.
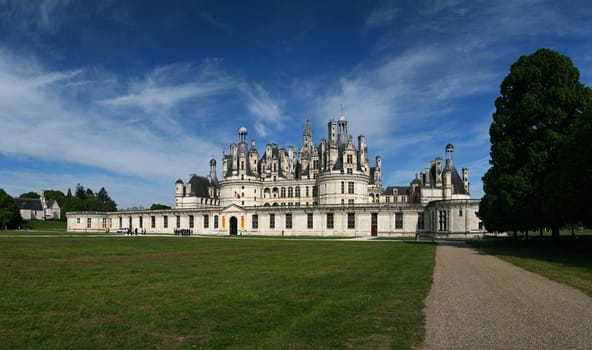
(135, 231)
(183, 232)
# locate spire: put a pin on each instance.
(308, 129)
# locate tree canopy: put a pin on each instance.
(30, 195)
(157, 206)
(10, 217)
(87, 200)
(541, 106)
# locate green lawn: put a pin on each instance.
(46, 225)
(568, 262)
(183, 292)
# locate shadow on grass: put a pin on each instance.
(567, 252)
(566, 261)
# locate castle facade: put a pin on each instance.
(325, 189)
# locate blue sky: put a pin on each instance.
(132, 95)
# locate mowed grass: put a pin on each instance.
(568, 262)
(182, 292)
(46, 225)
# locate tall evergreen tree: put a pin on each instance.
(539, 102)
(80, 193)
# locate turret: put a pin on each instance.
(465, 178)
(242, 135)
(179, 188)
(307, 134)
(332, 130)
(449, 156)
(343, 136)
(378, 172)
(212, 175)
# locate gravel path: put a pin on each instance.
(478, 301)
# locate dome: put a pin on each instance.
(212, 162)
(342, 118)
(179, 181)
(449, 148)
(242, 130)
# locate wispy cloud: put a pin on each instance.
(265, 109)
(35, 16)
(170, 85)
(59, 116)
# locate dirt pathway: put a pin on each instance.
(478, 301)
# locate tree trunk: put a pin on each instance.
(526, 235)
(555, 232)
(573, 233)
(515, 234)
(541, 233)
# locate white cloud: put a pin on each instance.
(143, 134)
(265, 109)
(170, 85)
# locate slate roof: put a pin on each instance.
(401, 190)
(28, 203)
(200, 186)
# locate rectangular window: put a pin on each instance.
(307, 191)
(215, 221)
(165, 221)
(350, 187)
(309, 220)
(206, 221)
(460, 212)
(351, 220)
(350, 202)
(420, 221)
(178, 221)
(288, 220)
(290, 192)
(120, 221)
(271, 220)
(141, 221)
(78, 221)
(315, 191)
(153, 221)
(342, 187)
(88, 222)
(130, 221)
(442, 223)
(104, 222)
(388, 199)
(398, 221)
(329, 220)
(255, 221)
(191, 221)
(297, 192)
(350, 159)
(110, 222)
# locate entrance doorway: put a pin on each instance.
(374, 228)
(233, 226)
